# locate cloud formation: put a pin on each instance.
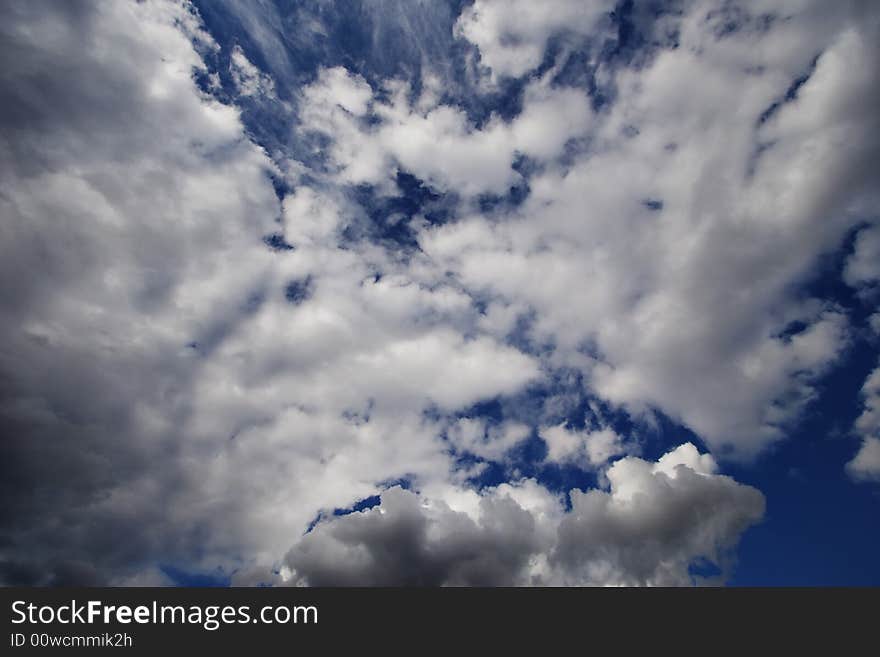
(208, 341)
(671, 250)
(656, 521)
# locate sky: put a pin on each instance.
(411, 292)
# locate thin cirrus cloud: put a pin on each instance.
(207, 349)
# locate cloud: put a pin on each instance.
(865, 465)
(584, 448)
(511, 36)
(485, 440)
(672, 251)
(436, 143)
(654, 522)
(861, 272)
(862, 268)
(404, 543)
(657, 521)
(336, 87)
(249, 80)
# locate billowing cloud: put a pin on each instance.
(656, 521)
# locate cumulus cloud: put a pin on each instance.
(655, 521)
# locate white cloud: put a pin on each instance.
(865, 465)
(485, 440)
(688, 456)
(437, 143)
(336, 87)
(585, 448)
(863, 267)
(682, 303)
(511, 35)
(250, 80)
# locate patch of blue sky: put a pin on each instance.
(187, 577)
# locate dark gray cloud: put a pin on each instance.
(400, 543)
(655, 522)
(674, 524)
(108, 158)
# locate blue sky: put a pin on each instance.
(441, 293)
